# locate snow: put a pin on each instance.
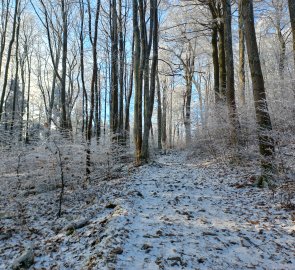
(192, 221)
(174, 213)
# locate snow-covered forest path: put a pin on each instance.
(187, 216)
(175, 213)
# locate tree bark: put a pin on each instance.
(159, 115)
(64, 11)
(242, 80)
(16, 77)
(214, 43)
(292, 19)
(129, 95)
(151, 93)
(164, 116)
(5, 80)
(122, 71)
(230, 75)
(222, 63)
(114, 68)
(266, 144)
(137, 86)
(4, 24)
(94, 81)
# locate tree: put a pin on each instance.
(266, 144)
(114, 116)
(14, 26)
(64, 14)
(292, 19)
(230, 76)
(93, 37)
(150, 95)
(242, 78)
(137, 85)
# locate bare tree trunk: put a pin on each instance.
(94, 83)
(64, 10)
(159, 113)
(222, 62)
(84, 92)
(187, 107)
(164, 116)
(230, 75)
(215, 58)
(122, 71)
(52, 96)
(241, 56)
(5, 80)
(292, 19)
(15, 81)
(201, 107)
(137, 86)
(4, 24)
(114, 68)
(151, 93)
(189, 65)
(106, 93)
(266, 144)
(282, 56)
(129, 94)
(171, 118)
(29, 62)
(97, 108)
(22, 110)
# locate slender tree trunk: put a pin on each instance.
(84, 92)
(242, 97)
(97, 120)
(189, 65)
(187, 107)
(64, 122)
(282, 55)
(215, 58)
(164, 116)
(170, 118)
(114, 69)
(29, 63)
(5, 80)
(52, 96)
(266, 144)
(151, 93)
(4, 24)
(222, 64)
(105, 98)
(292, 19)
(159, 113)
(128, 99)
(137, 86)
(199, 92)
(16, 78)
(121, 75)
(230, 75)
(22, 110)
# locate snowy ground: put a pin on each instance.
(170, 214)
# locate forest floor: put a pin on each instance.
(174, 213)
